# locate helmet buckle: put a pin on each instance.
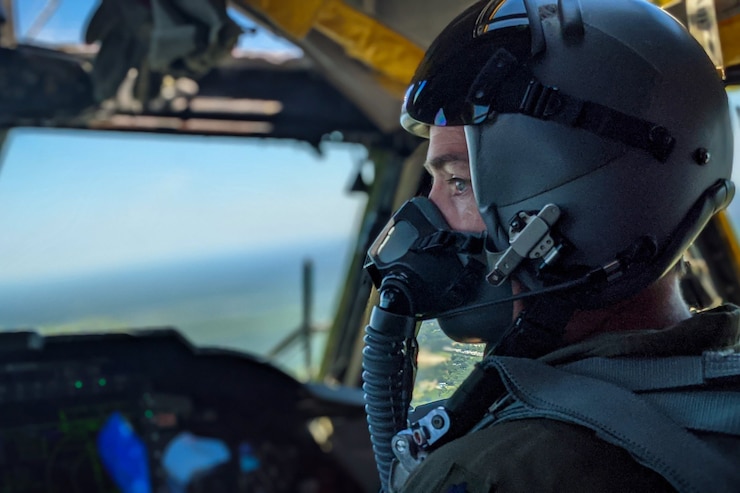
(540, 101)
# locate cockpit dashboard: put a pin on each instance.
(148, 412)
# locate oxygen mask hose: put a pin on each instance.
(421, 268)
(388, 362)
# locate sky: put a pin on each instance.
(67, 25)
(80, 201)
(76, 201)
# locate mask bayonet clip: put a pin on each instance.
(529, 237)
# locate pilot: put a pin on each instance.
(591, 141)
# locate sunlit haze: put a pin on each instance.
(82, 201)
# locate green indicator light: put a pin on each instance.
(102, 382)
(78, 384)
(149, 414)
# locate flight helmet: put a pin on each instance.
(599, 138)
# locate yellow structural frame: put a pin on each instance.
(729, 36)
(729, 236)
(390, 54)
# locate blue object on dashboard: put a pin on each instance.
(123, 455)
(188, 457)
(248, 460)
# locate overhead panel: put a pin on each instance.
(713, 15)
(702, 23)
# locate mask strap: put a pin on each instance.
(538, 329)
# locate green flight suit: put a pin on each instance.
(542, 455)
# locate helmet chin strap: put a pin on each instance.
(540, 326)
(538, 329)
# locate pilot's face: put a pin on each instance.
(452, 193)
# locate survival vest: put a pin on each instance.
(679, 416)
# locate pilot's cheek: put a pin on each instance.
(443, 201)
(470, 218)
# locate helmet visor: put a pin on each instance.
(469, 71)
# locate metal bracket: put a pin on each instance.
(529, 237)
(431, 427)
(411, 445)
(408, 457)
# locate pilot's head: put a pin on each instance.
(598, 133)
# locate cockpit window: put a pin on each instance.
(442, 364)
(734, 99)
(107, 231)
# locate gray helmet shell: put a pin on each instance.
(634, 58)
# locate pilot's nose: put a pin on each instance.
(442, 200)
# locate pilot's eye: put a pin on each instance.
(460, 184)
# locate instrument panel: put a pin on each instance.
(147, 412)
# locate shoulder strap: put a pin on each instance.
(701, 393)
(620, 417)
(647, 374)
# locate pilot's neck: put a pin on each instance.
(658, 306)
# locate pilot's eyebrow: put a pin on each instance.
(440, 161)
